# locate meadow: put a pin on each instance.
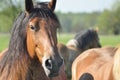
(105, 40)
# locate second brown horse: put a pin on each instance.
(97, 64)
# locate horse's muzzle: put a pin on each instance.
(52, 66)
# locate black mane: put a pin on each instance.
(85, 38)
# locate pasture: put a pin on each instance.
(105, 40)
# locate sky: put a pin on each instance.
(83, 5)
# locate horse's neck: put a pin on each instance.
(13, 67)
(74, 50)
(116, 66)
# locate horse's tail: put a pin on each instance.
(116, 65)
(86, 76)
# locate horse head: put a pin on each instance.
(41, 32)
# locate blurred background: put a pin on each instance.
(74, 15)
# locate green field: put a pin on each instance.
(104, 40)
(4, 40)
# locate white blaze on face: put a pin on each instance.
(47, 55)
(44, 67)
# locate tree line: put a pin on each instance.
(108, 21)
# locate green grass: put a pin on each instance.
(110, 40)
(63, 38)
(106, 40)
(4, 40)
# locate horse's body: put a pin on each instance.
(82, 41)
(98, 62)
(32, 53)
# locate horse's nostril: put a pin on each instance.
(48, 64)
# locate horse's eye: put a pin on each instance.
(32, 27)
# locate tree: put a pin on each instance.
(9, 10)
(116, 12)
(109, 21)
(105, 22)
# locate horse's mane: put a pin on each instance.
(16, 60)
(84, 38)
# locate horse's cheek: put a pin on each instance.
(30, 44)
(39, 54)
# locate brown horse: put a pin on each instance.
(33, 45)
(82, 41)
(98, 62)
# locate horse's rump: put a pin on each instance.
(98, 62)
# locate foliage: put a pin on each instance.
(74, 22)
(109, 21)
(105, 22)
(7, 17)
(9, 10)
(117, 20)
(4, 40)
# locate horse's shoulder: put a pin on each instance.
(87, 54)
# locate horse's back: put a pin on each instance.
(98, 62)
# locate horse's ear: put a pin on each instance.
(28, 6)
(52, 4)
